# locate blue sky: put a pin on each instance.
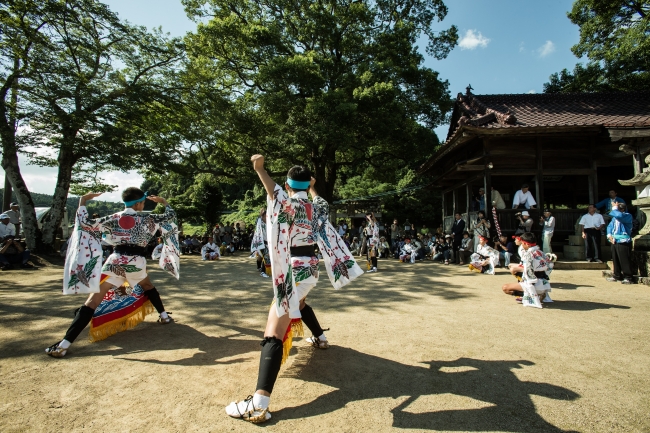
(507, 46)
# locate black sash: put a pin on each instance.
(130, 250)
(302, 251)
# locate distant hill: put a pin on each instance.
(101, 207)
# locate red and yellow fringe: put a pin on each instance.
(122, 324)
(295, 329)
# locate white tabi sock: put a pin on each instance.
(322, 337)
(64, 344)
(163, 315)
(261, 401)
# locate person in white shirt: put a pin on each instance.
(14, 216)
(523, 197)
(591, 224)
(548, 227)
(6, 227)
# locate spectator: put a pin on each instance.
(216, 234)
(548, 227)
(457, 230)
(407, 227)
(482, 228)
(525, 223)
(196, 244)
(444, 250)
(384, 248)
(424, 230)
(480, 199)
(227, 236)
(157, 251)
(605, 205)
(506, 250)
(362, 239)
(394, 233)
(497, 200)
(619, 233)
(523, 197)
(591, 225)
(231, 248)
(342, 229)
(11, 251)
(14, 217)
(187, 245)
(440, 231)
(354, 246)
(397, 247)
(466, 248)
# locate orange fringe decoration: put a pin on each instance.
(295, 329)
(125, 323)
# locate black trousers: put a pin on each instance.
(621, 259)
(592, 240)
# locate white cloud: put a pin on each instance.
(546, 49)
(472, 40)
(532, 91)
(522, 47)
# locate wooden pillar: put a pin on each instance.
(467, 190)
(487, 178)
(638, 168)
(539, 177)
(444, 211)
(454, 202)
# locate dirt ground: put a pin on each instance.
(423, 347)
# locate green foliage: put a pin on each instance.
(248, 208)
(615, 37)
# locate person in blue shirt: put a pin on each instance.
(606, 204)
(618, 234)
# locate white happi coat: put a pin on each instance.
(210, 251)
(294, 222)
(488, 252)
(534, 260)
(408, 249)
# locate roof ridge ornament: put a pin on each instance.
(476, 113)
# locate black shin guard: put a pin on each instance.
(81, 319)
(154, 297)
(259, 265)
(309, 319)
(270, 361)
(374, 261)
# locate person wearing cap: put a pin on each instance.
(11, 251)
(591, 225)
(524, 198)
(485, 259)
(548, 227)
(295, 225)
(619, 232)
(130, 233)
(525, 223)
(14, 216)
(534, 287)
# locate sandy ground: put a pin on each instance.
(423, 347)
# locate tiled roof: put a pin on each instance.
(551, 110)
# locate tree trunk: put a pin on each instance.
(6, 197)
(325, 174)
(52, 220)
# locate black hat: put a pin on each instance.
(547, 210)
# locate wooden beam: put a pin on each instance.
(450, 188)
(546, 172)
(616, 134)
(471, 167)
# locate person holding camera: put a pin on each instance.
(619, 233)
(482, 228)
(11, 251)
(525, 223)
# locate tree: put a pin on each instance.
(333, 85)
(80, 106)
(615, 38)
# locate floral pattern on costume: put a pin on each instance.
(294, 221)
(482, 253)
(535, 263)
(83, 269)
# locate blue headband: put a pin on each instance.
(132, 202)
(298, 184)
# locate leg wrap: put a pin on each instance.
(259, 264)
(309, 319)
(81, 319)
(374, 261)
(154, 297)
(270, 361)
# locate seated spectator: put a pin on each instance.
(523, 198)
(424, 230)
(408, 252)
(11, 251)
(222, 248)
(196, 244)
(466, 248)
(230, 249)
(525, 223)
(506, 250)
(354, 246)
(443, 251)
(485, 259)
(187, 245)
(384, 248)
(210, 250)
(397, 246)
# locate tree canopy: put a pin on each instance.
(615, 39)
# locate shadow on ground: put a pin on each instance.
(508, 399)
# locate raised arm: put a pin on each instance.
(258, 166)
